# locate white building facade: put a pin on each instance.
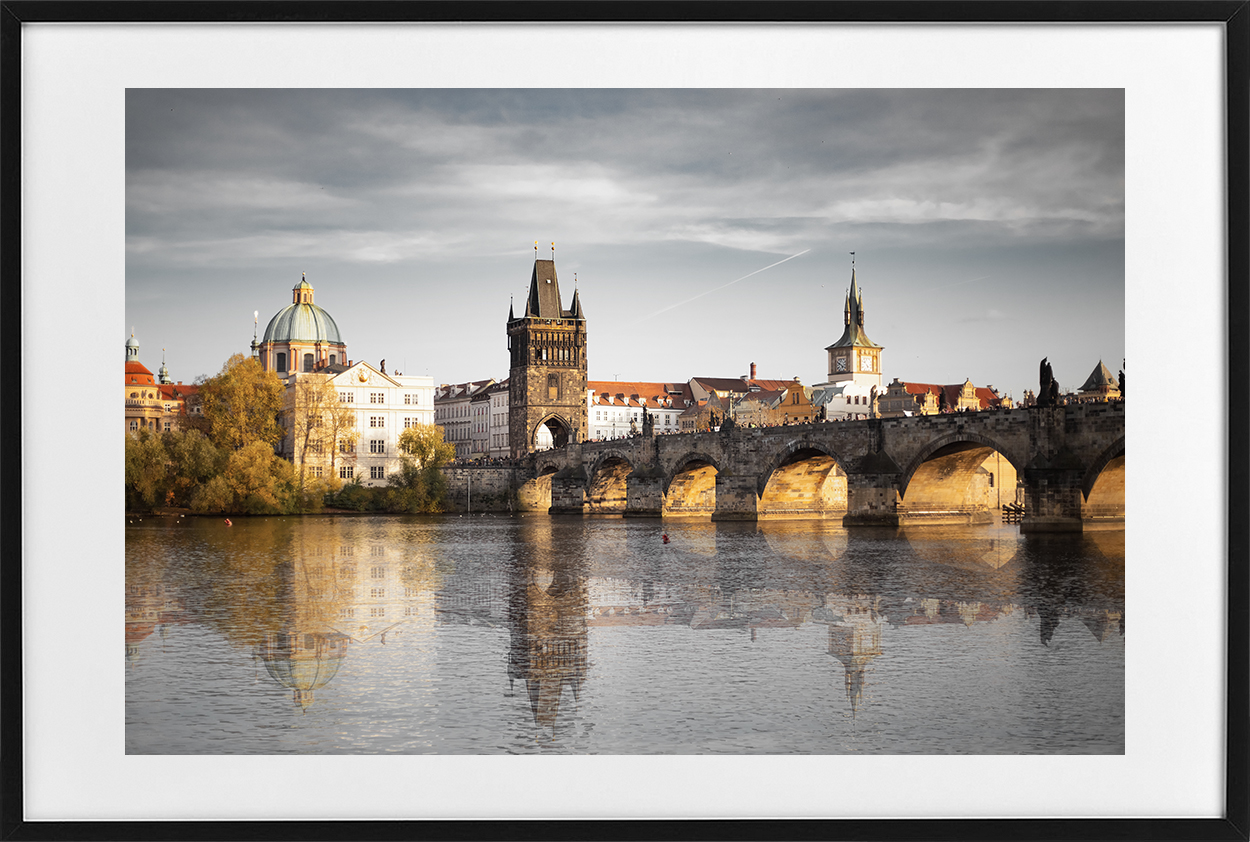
(614, 409)
(381, 406)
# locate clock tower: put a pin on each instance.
(855, 358)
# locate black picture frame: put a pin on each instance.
(1233, 15)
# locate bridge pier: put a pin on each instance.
(871, 500)
(568, 493)
(736, 498)
(1052, 501)
(644, 495)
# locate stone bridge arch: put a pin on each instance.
(943, 481)
(607, 481)
(805, 478)
(534, 494)
(1102, 487)
(690, 484)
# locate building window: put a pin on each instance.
(347, 613)
(347, 447)
(377, 397)
(377, 593)
(409, 422)
(410, 399)
(332, 358)
(345, 472)
(377, 612)
(377, 472)
(168, 426)
(377, 446)
(346, 397)
(134, 426)
(315, 470)
(377, 420)
(377, 572)
(282, 362)
(553, 387)
(308, 362)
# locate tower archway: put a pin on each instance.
(552, 432)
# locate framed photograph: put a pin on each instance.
(756, 608)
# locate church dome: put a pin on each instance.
(302, 321)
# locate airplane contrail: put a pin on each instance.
(961, 283)
(731, 283)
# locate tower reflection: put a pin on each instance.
(547, 624)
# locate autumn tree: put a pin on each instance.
(305, 408)
(339, 431)
(424, 445)
(147, 470)
(193, 461)
(260, 481)
(241, 404)
(419, 485)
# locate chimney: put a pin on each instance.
(752, 371)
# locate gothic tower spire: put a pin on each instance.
(547, 374)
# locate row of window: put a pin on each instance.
(626, 416)
(155, 425)
(375, 611)
(410, 399)
(375, 472)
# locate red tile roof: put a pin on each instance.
(985, 397)
(136, 372)
(637, 393)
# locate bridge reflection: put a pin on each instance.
(300, 600)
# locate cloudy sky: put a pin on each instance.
(988, 226)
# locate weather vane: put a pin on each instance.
(852, 258)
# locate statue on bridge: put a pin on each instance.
(1048, 393)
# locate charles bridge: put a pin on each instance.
(1064, 465)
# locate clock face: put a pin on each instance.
(840, 363)
(865, 362)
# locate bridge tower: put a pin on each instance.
(855, 358)
(547, 373)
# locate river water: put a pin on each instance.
(537, 634)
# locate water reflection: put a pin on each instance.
(578, 614)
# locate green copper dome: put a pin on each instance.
(302, 323)
(302, 320)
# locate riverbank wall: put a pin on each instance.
(486, 488)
